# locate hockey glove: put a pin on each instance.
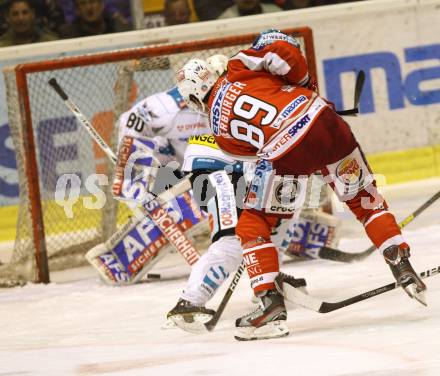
(136, 170)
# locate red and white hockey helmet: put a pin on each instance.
(195, 80)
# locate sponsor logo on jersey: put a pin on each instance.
(231, 95)
(349, 171)
(227, 212)
(291, 133)
(300, 124)
(288, 137)
(188, 127)
(256, 281)
(252, 265)
(222, 107)
(205, 140)
(177, 97)
(285, 192)
(123, 155)
(288, 110)
(352, 174)
(216, 108)
(257, 187)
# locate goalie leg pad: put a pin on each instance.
(304, 236)
(134, 249)
(128, 255)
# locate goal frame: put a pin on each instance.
(22, 70)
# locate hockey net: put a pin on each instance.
(49, 143)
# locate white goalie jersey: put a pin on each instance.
(164, 118)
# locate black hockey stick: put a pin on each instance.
(360, 80)
(328, 253)
(295, 296)
(211, 324)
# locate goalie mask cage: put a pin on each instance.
(50, 143)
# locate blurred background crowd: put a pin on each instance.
(31, 21)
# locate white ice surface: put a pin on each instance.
(86, 328)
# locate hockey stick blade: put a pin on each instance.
(359, 85)
(332, 254)
(295, 296)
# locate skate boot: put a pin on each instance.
(190, 317)
(397, 259)
(267, 321)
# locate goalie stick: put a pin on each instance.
(153, 208)
(332, 254)
(360, 80)
(295, 296)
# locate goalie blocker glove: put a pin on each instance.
(136, 170)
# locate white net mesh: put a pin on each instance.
(102, 90)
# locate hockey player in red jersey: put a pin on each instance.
(260, 110)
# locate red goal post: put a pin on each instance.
(49, 143)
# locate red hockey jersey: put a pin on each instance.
(259, 109)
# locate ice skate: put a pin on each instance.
(397, 259)
(267, 321)
(190, 317)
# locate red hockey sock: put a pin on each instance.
(259, 253)
(383, 230)
(262, 265)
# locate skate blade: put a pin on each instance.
(191, 323)
(168, 324)
(274, 329)
(420, 296)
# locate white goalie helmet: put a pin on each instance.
(197, 77)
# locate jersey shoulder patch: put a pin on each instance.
(177, 97)
(205, 140)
